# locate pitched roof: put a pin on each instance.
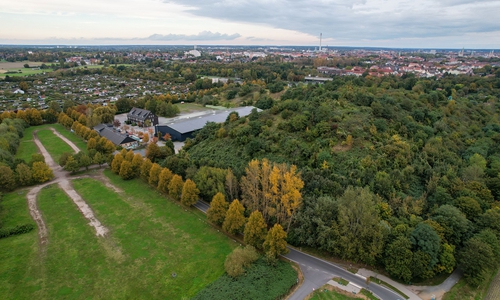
(197, 123)
(115, 137)
(139, 113)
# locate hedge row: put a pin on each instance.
(6, 232)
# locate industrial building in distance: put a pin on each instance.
(182, 129)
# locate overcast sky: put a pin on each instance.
(375, 23)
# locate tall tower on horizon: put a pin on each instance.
(320, 38)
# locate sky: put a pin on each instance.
(422, 24)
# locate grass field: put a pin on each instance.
(150, 238)
(156, 238)
(326, 292)
(19, 268)
(190, 107)
(70, 136)
(54, 145)
(27, 146)
(19, 66)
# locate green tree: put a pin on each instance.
(469, 206)
(71, 165)
(7, 179)
(24, 175)
(275, 243)
(189, 193)
(359, 225)
(64, 157)
(455, 224)
(175, 187)
(476, 259)
(85, 161)
(398, 258)
(210, 181)
(255, 230)
(425, 238)
(235, 220)
(447, 260)
(218, 209)
(99, 159)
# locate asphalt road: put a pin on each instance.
(318, 272)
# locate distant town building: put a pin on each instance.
(140, 116)
(311, 79)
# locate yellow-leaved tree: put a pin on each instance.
(164, 179)
(275, 243)
(117, 163)
(274, 189)
(235, 220)
(218, 209)
(189, 193)
(255, 230)
(41, 172)
(175, 187)
(154, 174)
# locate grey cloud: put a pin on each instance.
(202, 36)
(359, 19)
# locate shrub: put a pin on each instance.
(262, 281)
(6, 232)
(239, 259)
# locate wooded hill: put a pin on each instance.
(400, 173)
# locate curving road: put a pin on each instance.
(318, 272)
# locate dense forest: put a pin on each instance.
(400, 173)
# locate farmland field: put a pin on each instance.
(19, 66)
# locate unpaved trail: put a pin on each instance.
(70, 143)
(62, 178)
(83, 207)
(35, 213)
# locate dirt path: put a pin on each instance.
(70, 143)
(62, 178)
(35, 213)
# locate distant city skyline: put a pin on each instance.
(359, 23)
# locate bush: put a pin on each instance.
(261, 281)
(239, 259)
(16, 230)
